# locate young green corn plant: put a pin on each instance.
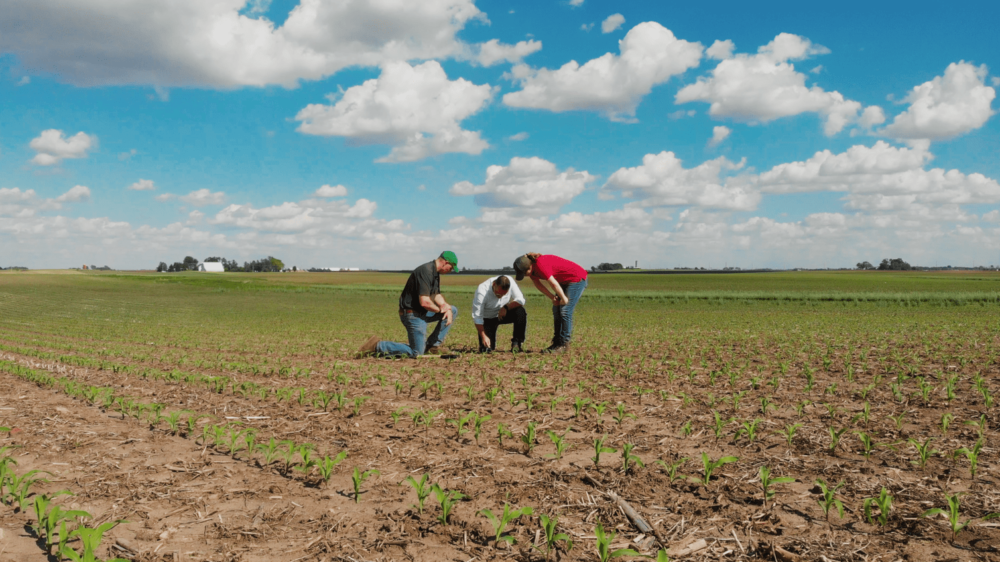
(90, 540)
(980, 425)
(326, 466)
(477, 425)
(789, 432)
(19, 487)
(358, 478)
(421, 488)
(766, 482)
(924, 451)
(865, 414)
(946, 419)
(621, 415)
(502, 432)
(829, 499)
(599, 408)
(358, 402)
(307, 463)
(720, 424)
(43, 520)
(529, 400)
(499, 524)
(528, 438)
(748, 429)
(884, 504)
(174, 420)
(192, 422)
(551, 538)
(898, 419)
(460, 424)
(555, 401)
(867, 445)
(291, 449)
(630, 461)
(396, 415)
(686, 429)
(766, 404)
(835, 435)
(600, 448)
(710, 466)
(671, 469)
(560, 442)
(954, 515)
(973, 456)
(57, 517)
(272, 450)
(604, 540)
(447, 499)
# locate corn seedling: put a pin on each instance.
(477, 425)
(973, 456)
(979, 425)
(358, 478)
(898, 419)
(867, 446)
(621, 415)
(628, 459)
(421, 488)
(924, 451)
(90, 540)
(460, 424)
(502, 432)
(599, 408)
(671, 469)
(766, 404)
(358, 402)
(766, 482)
(789, 432)
(499, 524)
(550, 537)
(600, 448)
(748, 429)
(946, 419)
(395, 416)
(835, 435)
(528, 437)
(710, 466)
(272, 450)
(829, 499)
(604, 540)
(559, 441)
(326, 466)
(686, 429)
(865, 414)
(19, 487)
(884, 504)
(447, 499)
(720, 424)
(954, 515)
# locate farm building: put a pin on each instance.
(211, 267)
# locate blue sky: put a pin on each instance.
(848, 132)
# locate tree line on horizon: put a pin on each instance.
(270, 264)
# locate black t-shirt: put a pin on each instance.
(425, 280)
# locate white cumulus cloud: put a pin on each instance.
(946, 106)
(202, 197)
(52, 146)
(531, 185)
(612, 22)
(331, 191)
(415, 108)
(294, 217)
(199, 43)
(719, 134)
(494, 52)
(662, 180)
(143, 185)
(611, 84)
(15, 202)
(766, 86)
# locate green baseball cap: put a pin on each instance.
(450, 257)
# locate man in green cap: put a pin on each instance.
(420, 304)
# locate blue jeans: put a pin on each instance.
(562, 315)
(416, 331)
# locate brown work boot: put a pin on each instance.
(557, 349)
(437, 350)
(370, 347)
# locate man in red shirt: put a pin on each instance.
(566, 281)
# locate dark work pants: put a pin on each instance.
(516, 316)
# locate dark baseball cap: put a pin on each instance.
(521, 266)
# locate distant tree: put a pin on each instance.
(162, 267)
(213, 259)
(265, 265)
(610, 267)
(190, 263)
(895, 264)
(865, 265)
(278, 264)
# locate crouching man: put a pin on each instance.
(499, 301)
(420, 305)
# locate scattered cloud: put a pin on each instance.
(530, 185)
(720, 50)
(494, 52)
(123, 156)
(945, 107)
(719, 134)
(415, 108)
(202, 197)
(816, 69)
(662, 180)
(52, 146)
(15, 202)
(298, 217)
(195, 217)
(225, 44)
(331, 191)
(165, 197)
(518, 137)
(24, 81)
(681, 114)
(587, 26)
(612, 22)
(766, 86)
(576, 3)
(611, 84)
(142, 185)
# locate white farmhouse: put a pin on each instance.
(211, 267)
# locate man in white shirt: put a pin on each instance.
(498, 301)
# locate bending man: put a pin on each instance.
(498, 301)
(420, 304)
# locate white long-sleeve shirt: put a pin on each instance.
(486, 305)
